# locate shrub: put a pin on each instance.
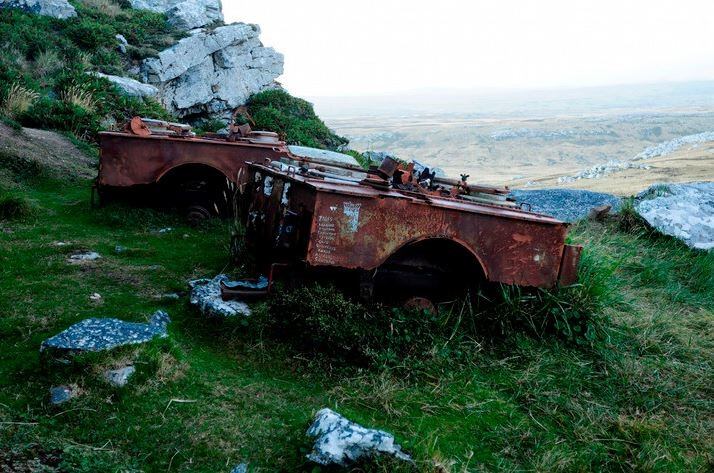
(293, 118)
(18, 100)
(90, 34)
(320, 320)
(14, 207)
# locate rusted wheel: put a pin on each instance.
(195, 214)
(419, 303)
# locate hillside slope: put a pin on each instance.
(684, 165)
(217, 393)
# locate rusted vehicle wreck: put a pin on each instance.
(400, 232)
(411, 238)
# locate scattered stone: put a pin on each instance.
(242, 468)
(171, 296)
(62, 394)
(61, 243)
(211, 72)
(184, 14)
(165, 230)
(600, 212)
(548, 135)
(668, 147)
(95, 297)
(341, 442)
(119, 377)
(55, 8)
(84, 257)
(104, 334)
(327, 155)
(206, 295)
(567, 205)
(123, 43)
(600, 170)
(683, 211)
(128, 86)
(119, 249)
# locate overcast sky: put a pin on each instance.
(365, 47)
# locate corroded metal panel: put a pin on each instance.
(128, 160)
(353, 226)
(569, 265)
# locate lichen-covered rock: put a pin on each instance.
(211, 72)
(184, 14)
(130, 87)
(206, 295)
(104, 334)
(684, 211)
(55, 8)
(341, 442)
(119, 377)
(62, 394)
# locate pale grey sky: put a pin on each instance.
(365, 47)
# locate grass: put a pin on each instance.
(638, 399)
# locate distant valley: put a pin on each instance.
(532, 140)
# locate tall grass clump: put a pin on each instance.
(575, 313)
(18, 100)
(77, 96)
(14, 207)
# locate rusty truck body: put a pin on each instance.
(401, 230)
(417, 240)
(160, 162)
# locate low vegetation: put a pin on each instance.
(46, 84)
(611, 375)
(293, 118)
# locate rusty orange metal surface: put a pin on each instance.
(355, 226)
(129, 160)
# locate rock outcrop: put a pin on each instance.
(130, 87)
(684, 211)
(55, 8)
(206, 295)
(211, 72)
(184, 14)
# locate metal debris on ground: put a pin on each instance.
(206, 295)
(341, 442)
(119, 377)
(97, 334)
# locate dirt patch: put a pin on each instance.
(44, 150)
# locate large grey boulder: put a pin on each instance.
(211, 72)
(684, 211)
(130, 87)
(340, 442)
(55, 8)
(184, 14)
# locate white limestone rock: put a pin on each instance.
(61, 9)
(184, 14)
(130, 87)
(684, 211)
(214, 71)
(340, 442)
(323, 154)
